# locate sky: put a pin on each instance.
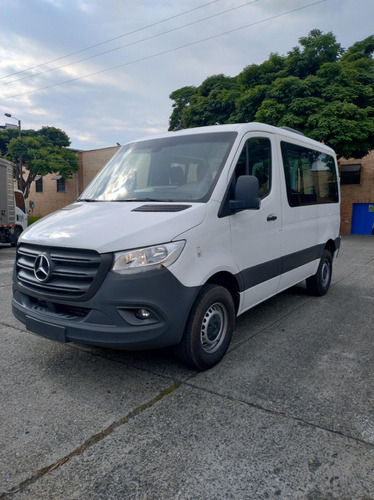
(103, 70)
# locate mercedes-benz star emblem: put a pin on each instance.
(42, 268)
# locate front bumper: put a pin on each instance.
(108, 319)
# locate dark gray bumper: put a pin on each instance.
(109, 319)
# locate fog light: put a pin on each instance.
(143, 314)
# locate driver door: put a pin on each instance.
(255, 234)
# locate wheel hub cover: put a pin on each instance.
(214, 326)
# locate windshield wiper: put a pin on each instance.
(86, 199)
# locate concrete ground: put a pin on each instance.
(287, 414)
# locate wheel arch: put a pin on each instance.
(332, 246)
(228, 281)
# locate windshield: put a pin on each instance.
(176, 168)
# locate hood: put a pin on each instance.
(114, 226)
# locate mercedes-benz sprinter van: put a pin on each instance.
(177, 235)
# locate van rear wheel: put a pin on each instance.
(320, 282)
(209, 328)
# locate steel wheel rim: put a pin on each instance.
(325, 272)
(213, 327)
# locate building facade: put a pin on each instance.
(357, 194)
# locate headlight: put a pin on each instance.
(144, 259)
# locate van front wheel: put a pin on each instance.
(209, 328)
(320, 282)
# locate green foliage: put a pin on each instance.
(55, 136)
(208, 104)
(262, 74)
(38, 153)
(5, 136)
(247, 104)
(181, 100)
(317, 88)
(317, 49)
(360, 50)
(216, 83)
(345, 127)
(32, 219)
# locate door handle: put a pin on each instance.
(271, 217)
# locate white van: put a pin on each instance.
(179, 234)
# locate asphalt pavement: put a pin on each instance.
(287, 414)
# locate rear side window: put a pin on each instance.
(310, 176)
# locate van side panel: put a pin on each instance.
(328, 222)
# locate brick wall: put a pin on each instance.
(50, 200)
(357, 193)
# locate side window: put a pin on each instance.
(255, 159)
(20, 201)
(310, 176)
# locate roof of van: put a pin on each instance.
(241, 128)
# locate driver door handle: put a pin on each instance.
(271, 217)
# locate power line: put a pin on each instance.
(109, 40)
(166, 51)
(130, 44)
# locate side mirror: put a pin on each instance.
(247, 194)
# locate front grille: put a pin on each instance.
(75, 274)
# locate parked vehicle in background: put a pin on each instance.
(177, 236)
(13, 216)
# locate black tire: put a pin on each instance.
(16, 234)
(209, 328)
(320, 283)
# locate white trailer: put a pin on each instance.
(13, 217)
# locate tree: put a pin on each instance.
(181, 100)
(212, 102)
(360, 50)
(262, 74)
(39, 152)
(318, 88)
(317, 49)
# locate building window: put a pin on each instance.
(350, 174)
(39, 185)
(61, 185)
